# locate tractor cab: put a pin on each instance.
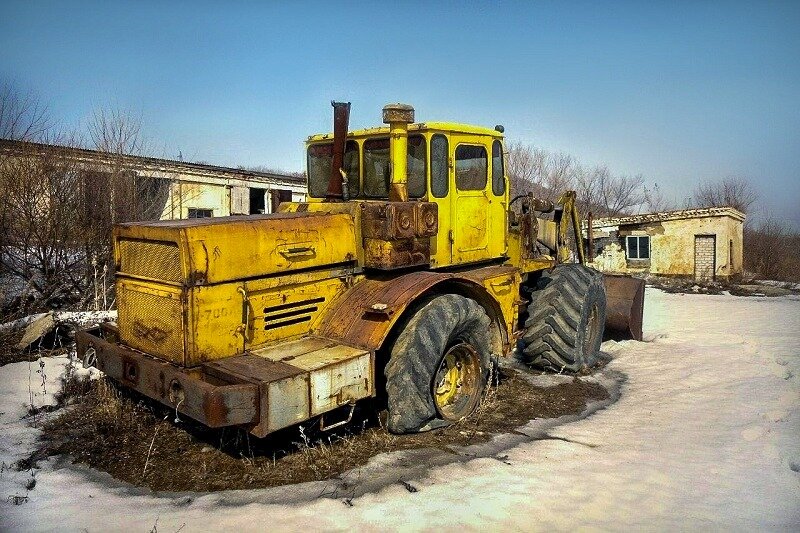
(456, 167)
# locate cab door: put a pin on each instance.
(470, 200)
(498, 202)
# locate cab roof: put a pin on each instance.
(449, 127)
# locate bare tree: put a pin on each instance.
(272, 170)
(537, 171)
(547, 175)
(607, 195)
(562, 170)
(618, 194)
(588, 188)
(525, 167)
(58, 206)
(41, 204)
(114, 191)
(116, 132)
(655, 201)
(733, 192)
(22, 115)
(772, 250)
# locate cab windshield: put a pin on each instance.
(376, 168)
(320, 159)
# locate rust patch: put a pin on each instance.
(151, 333)
(214, 409)
(349, 321)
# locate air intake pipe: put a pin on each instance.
(398, 117)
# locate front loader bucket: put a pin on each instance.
(624, 307)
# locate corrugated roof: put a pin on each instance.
(10, 145)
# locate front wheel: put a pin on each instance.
(439, 365)
(566, 318)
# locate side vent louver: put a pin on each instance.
(282, 315)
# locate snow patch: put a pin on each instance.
(703, 436)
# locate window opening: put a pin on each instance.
(200, 213)
(638, 246)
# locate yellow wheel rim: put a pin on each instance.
(457, 384)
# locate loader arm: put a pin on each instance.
(569, 215)
(624, 294)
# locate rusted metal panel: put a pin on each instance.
(397, 234)
(365, 314)
(387, 220)
(291, 349)
(251, 368)
(624, 307)
(426, 219)
(401, 253)
(214, 404)
(348, 320)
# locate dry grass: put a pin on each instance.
(146, 444)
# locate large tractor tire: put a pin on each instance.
(439, 365)
(566, 318)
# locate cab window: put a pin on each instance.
(498, 174)
(471, 167)
(320, 159)
(377, 168)
(439, 182)
(417, 167)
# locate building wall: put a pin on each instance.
(672, 247)
(190, 195)
(185, 185)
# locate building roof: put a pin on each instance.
(683, 214)
(149, 163)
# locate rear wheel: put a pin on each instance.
(439, 365)
(566, 318)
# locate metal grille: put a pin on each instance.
(150, 259)
(278, 316)
(151, 323)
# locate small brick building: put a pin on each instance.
(703, 244)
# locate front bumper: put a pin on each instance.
(212, 400)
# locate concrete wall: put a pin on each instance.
(672, 247)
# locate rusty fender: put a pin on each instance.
(365, 315)
(214, 404)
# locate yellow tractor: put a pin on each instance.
(405, 275)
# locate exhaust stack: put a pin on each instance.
(398, 117)
(337, 186)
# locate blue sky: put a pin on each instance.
(677, 91)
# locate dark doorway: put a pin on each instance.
(277, 196)
(257, 202)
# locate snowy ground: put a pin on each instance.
(706, 435)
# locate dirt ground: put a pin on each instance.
(144, 444)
